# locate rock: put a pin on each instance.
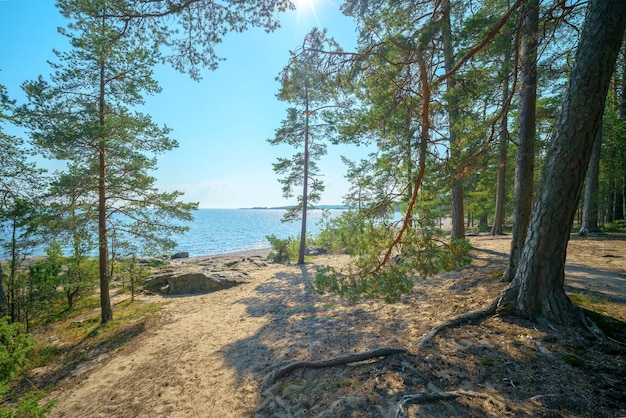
(182, 254)
(194, 281)
(315, 250)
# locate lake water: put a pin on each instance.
(218, 231)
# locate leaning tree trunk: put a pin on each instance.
(592, 186)
(523, 193)
(536, 291)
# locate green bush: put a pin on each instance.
(284, 249)
(421, 251)
(351, 233)
(14, 345)
(28, 407)
(616, 226)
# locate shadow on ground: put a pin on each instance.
(518, 368)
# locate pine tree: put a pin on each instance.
(306, 127)
(86, 116)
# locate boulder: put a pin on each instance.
(182, 254)
(194, 281)
(315, 250)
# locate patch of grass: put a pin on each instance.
(43, 355)
(612, 327)
(600, 305)
(130, 310)
(573, 359)
(86, 332)
(609, 316)
(486, 362)
(59, 312)
(617, 226)
(586, 299)
(495, 275)
(317, 318)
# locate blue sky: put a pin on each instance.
(222, 122)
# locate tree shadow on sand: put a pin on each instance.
(302, 325)
(513, 366)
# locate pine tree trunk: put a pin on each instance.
(458, 215)
(536, 291)
(103, 253)
(592, 184)
(4, 306)
(503, 145)
(305, 185)
(618, 208)
(524, 169)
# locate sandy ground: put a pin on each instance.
(210, 355)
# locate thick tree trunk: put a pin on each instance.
(458, 215)
(524, 169)
(536, 291)
(592, 184)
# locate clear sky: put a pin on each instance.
(221, 122)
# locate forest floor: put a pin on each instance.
(213, 355)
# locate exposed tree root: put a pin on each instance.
(336, 361)
(458, 320)
(429, 397)
(383, 351)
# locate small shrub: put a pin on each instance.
(14, 345)
(616, 226)
(28, 407)
(283, 249)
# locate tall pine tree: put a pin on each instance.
(86, 116)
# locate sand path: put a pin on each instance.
(179, 369)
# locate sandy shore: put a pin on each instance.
(210, 355)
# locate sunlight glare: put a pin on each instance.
(306, 7)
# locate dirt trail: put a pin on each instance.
(209, 354)
(178, 369)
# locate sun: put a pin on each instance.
(306, 7)
(305, 3)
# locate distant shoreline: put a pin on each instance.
(321, 207)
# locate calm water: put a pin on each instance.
(218, 231)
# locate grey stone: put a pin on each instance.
(315, 250)
(194, 281)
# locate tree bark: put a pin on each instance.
(618, 208)
(458, 214)
(4, 306)
(592, 185)
(103, 252)
(503, 145)
(524, 169)
(305, 179)
(536, 291)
